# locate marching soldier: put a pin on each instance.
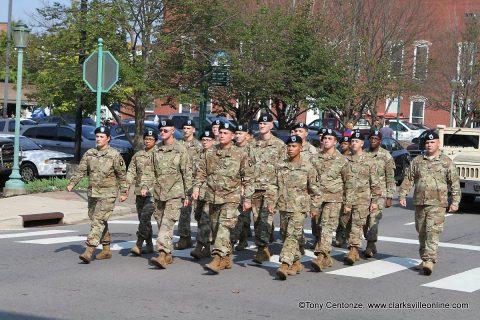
(215, 127)
(340, 233)
(173, 173)
(194, 149)
(223, 172)
(140, 171)
(298, 194)
(329, 165)
(433, 174)
(345, 146)
(385, 166)
(308, 150)
(264, 152)
(362, 194)
(105, 169)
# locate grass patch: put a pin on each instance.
(53, 184)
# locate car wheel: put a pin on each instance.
(29, 172)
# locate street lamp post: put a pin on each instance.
(453, 84)
(15, 186)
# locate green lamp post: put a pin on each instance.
(15, 186)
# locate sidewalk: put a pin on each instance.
(72, 204)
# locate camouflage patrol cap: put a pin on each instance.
(243, 128)
(103, 129)
(207, 134)
(165, 123)
(346, 139)
(150, 133)
(431, 135)
(189, 123)
(300, 125)
(357, 135)
(322, 131)
(329, 132)
(375, 133)
(265, 117)
(294, 139)
(227, 126)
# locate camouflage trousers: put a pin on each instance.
(262, 220)
(223, 218)
(370, 229)
(99, 211)
(240, 232)
(166, 214)
(355, 225)
(292, 222)
(184, 229)
(329, 213)
(204, 229)
(145, 208)
(429, 224)
(343, 221)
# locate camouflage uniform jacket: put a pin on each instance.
(362, 184)
(140, 166)
(308, 152)
(385, 166)
(194, 148)
(222, 173)
(298, 187)
(105, 170)
(432, 178)
(329, 169)
(173, 173)
(263, 155)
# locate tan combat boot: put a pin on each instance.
(352, 256)
(419, 266)
(148, 247)
(86, 256)
(105, 254)
(137, 249)
(226, 262)
(317, 263)
(162, 260)
(370, 250)
(339, 240)
(282, 272)
(427, 268)
(327, 261)
(296, 268)
(214, 265)
(262, 255)
(183, 243)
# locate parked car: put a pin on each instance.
(7, 125)
(6, 156)
(180, 118)
(329, 123)
(151, 117)
(62, 138)
(37, 162)
(65, 119)
(406, 130)
(118, 133)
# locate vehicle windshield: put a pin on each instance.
(88, 132)
(461, 141)
(410, 126)
(27, 144)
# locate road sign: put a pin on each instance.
(109, 71)
(220, 76)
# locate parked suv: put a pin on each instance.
(6, 156)
(62, 138)
(406, 130)
(7, 125)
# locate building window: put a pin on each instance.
(185, 108)
(466, 59)
(417, 110)
(420, 60)
(391, 105)
(396, 59)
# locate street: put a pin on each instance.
(42, 278)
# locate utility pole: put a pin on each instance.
(7, 59)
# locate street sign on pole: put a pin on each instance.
(100, 73)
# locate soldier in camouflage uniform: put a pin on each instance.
(340, 233)
(433, 174)
(140, 166)
(242, 228)
(362, 193)
(105, 169)
(215, 127)
(298, 193)
(385, 166)
(194, 148)
(204, 229)
(330, 166)
(172, 168)
(223, 172)
(264, 152)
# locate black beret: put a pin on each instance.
(216, 122)
(357, 135)
(294, 139)
(207, 134)
(189, 123)
(265, 117)
(375, 133)
(165, 123)
(329, 132)
(227, 126)
(300, 125)
(103, 129)
(243, 128)
(346, 139)
(431, 135)
(322, 131)
(150, 133)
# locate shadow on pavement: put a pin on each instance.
(5, 315)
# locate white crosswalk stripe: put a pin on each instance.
(54, 240)
(34, 234)
(468, 281)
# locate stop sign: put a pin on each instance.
(109, 71)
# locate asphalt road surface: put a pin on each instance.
(42, 278)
